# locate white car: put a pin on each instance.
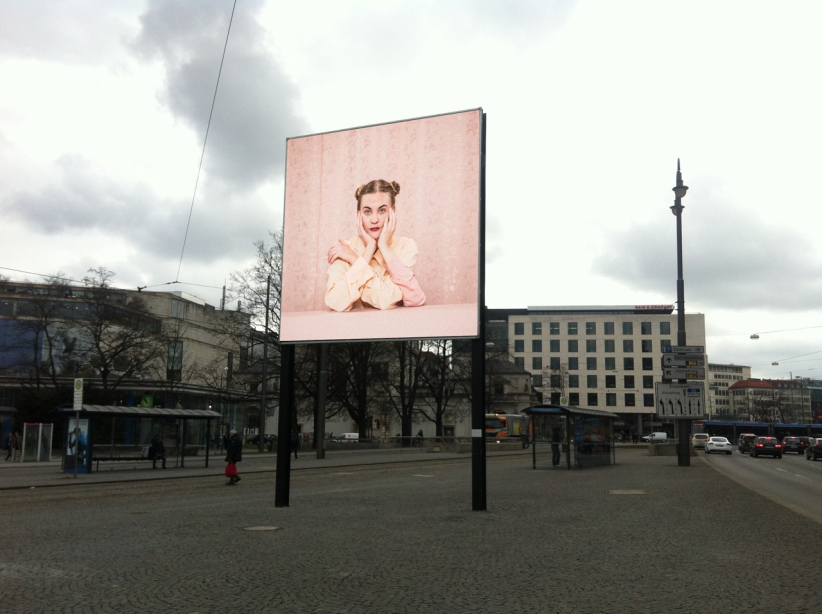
(718, 444)
(698, 439)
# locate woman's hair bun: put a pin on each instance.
(396, 187)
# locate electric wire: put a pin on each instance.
(205, 140)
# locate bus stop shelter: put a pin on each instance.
(119, 433)
(585, 436)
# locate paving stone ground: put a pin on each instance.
(401, 537)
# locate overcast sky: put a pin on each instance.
(104, 110)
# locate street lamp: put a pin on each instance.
(680, 189)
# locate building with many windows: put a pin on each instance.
(720, 378)
(604, 357)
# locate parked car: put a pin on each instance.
(745, 441)
(793, 444)
(768, 446)
(814, 451)
(268, 440)
(718, 444)
(656, 437)
(349, 437)
(698, 440)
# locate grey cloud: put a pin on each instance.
(256, 106)
(731, 260)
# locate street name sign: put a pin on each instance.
(680, 400)
(684, 349)
(683, 360)
(677, 373)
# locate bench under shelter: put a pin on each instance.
(111, 433)
(586, 435)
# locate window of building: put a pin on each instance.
(555, 398)
(627, 364)
(664, 343)
(647, 381)
(610, 363)
(536, 328)
(627, 345)
(628, 381)
(590, 328)
(536, 380)
(590, 345)
(573, 399)
(609, 328)
(519, 345)
(648, 364)
(627, 328)
(591, 363)
(553, 345)
(664, 328)
(591, 381)
(645, 328)
(573, 381)
(573, 363)
(572, 328)
(554, 363)
(592, 399)
(610, 381)
(553, 328)
(648, 400)
(556, 380)
(174, 364)
(536, 345)
(519, 361)
(630, 399)
(573, 345)
(178, 309)
(610, 345)
(647, 345)
(536, 362)
(519, 328)
(610, 399)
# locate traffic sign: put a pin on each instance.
(684, 349)
(78, 394)
(683, 360)
(680, 400)
(675, 373)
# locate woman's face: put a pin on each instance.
(374, 209)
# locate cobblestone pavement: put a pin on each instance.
(641, 536)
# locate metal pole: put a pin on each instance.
(322, 391)
(284, 427)
(683, 424)
(261, 433)
(478, 473)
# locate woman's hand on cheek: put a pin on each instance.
(370, 242)
(388, 230)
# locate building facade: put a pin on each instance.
(772, 400)
(603, 357)
(720, 378)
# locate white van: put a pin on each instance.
(657, 437)
(350, 437)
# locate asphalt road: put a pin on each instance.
(791, 481)
(635, 537)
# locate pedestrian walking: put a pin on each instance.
(7, 444)
(15, 446)
(295, 443)
(234, 454)
(556, 440)
(157, 452)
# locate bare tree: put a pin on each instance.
(442, 377)
(401, 379)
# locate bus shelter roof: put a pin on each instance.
(165, 412)
(539, 410)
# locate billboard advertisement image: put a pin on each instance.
(381, 232)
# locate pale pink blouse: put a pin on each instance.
(378, 283)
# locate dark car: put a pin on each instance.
(745, 441)
(766, 446)
(814, 451)
(268, 440)
(793, 444)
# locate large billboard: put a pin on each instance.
(381, 232)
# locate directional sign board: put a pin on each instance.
(669, 373)
(683, 360)
(680, 400)
(684, 349)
